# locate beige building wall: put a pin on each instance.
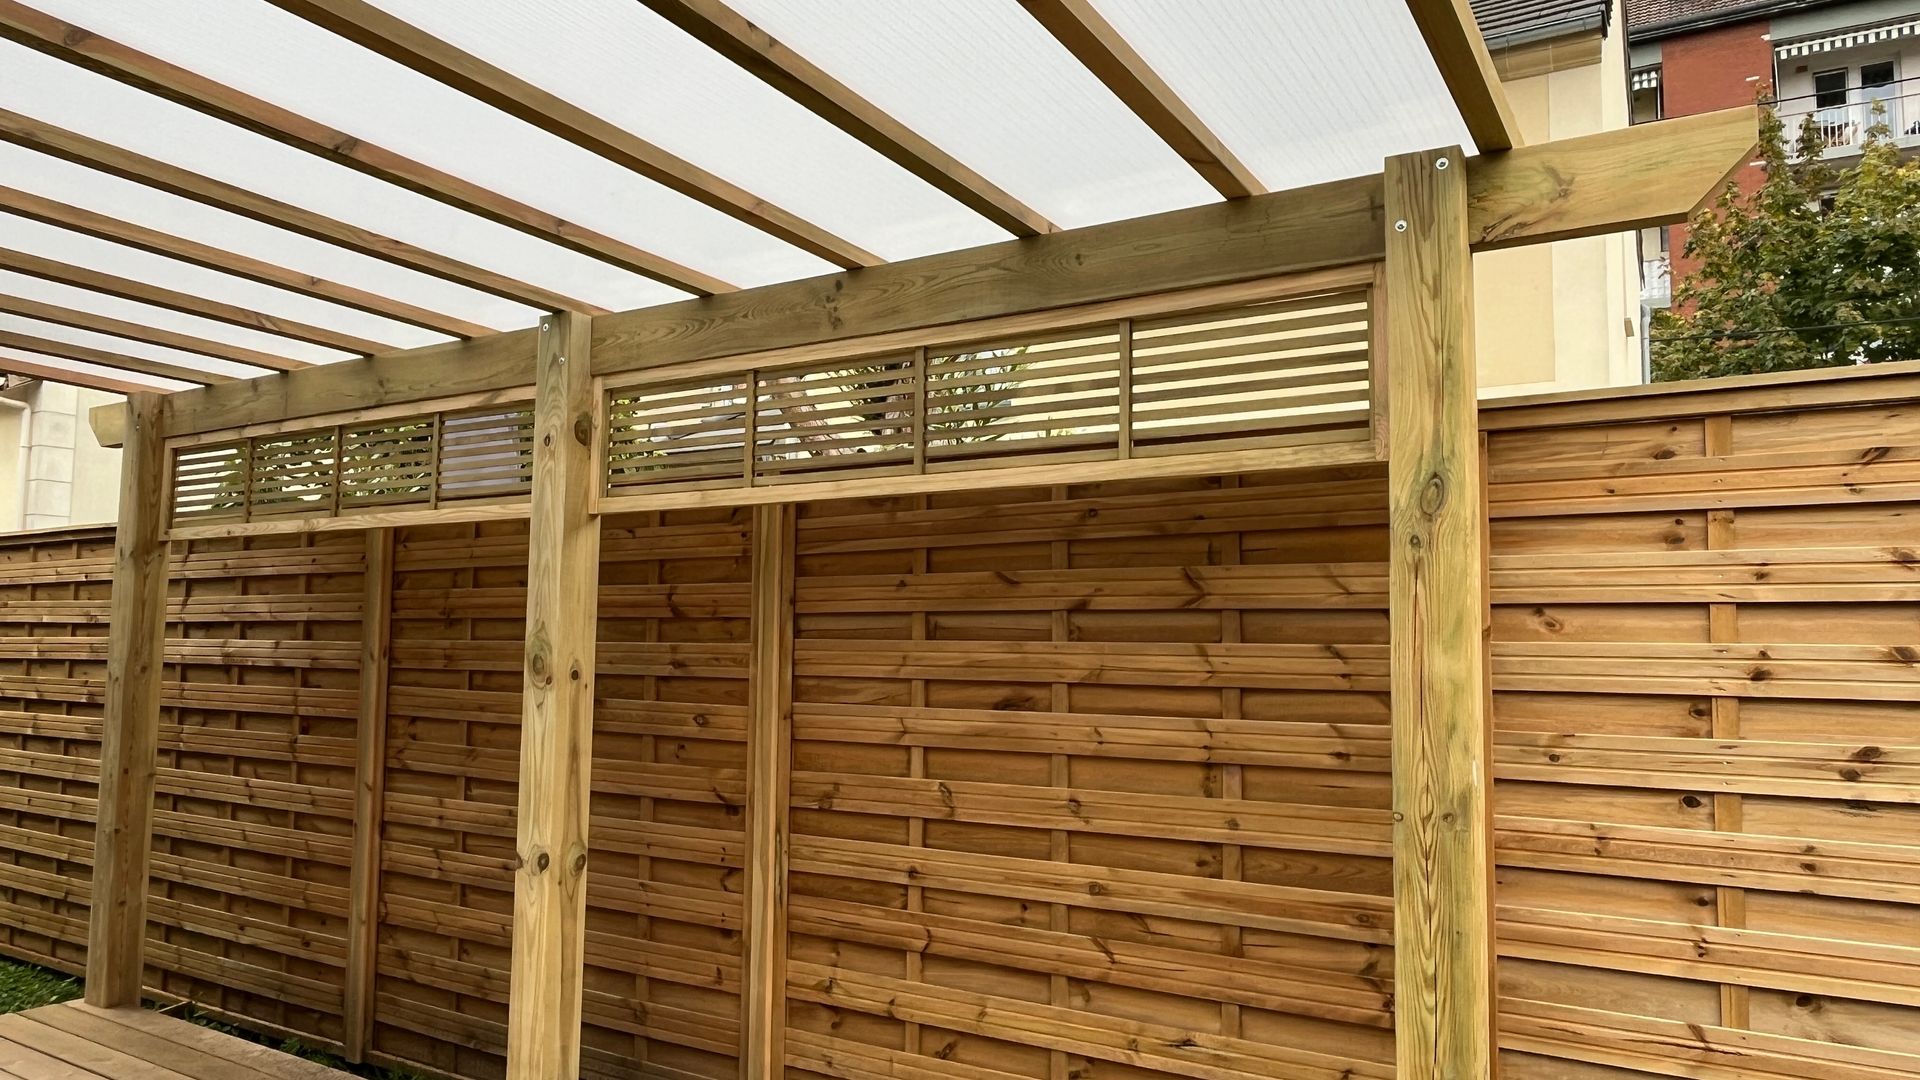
(52, 470)
(1561, 316)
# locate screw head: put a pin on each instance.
(1400, 226)
(1441, 164)
(545, 325)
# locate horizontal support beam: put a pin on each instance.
(83, 48)
(1615, 181)
(1453, 39)
(102, 358)
(1575, 187)
(46, 372)
(406, 44)
(28, 308)
(153, 241)
(26, 131)
(141, 292)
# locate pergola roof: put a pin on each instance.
(193, 192)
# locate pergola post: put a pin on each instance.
(1442, 863)
(136, 645)
(769, 773)
(556, 733)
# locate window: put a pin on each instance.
(1830, 88)
(1872, 75)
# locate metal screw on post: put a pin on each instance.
(1400, 226)
(1441, 164)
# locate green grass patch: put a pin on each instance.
(28, 986)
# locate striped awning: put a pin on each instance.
(1849, 39)
(1646, 78)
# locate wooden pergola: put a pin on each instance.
(571, 392)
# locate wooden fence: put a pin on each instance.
(1085, 782)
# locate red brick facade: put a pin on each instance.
(1719, 67)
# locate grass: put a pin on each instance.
(28, 986)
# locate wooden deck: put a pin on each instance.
(76, 1041)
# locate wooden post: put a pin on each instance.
(556, 730)
(369, 798)
(136, 646)
(769, 771)
(1442, 856)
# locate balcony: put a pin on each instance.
(1844, 124)
(1656, 282)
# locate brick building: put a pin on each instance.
(1846, 63)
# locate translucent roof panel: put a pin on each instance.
(96, 370)
(95, 303)
(987, 83)
(1300, 92)
(88, 339)
(676, 93)
(92, 105)
(260, 50)
(71, 247)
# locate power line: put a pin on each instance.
(1726, 334)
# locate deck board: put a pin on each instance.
(76, 1041)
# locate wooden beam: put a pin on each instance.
(757, 52)
(28, 308)
(10, 365)
(1614, 181)
(86, 49)
(1442, 823)
(556, 727)
(1079, 26)
(369, 796)
(33, 134)
(1329, 225)
(1304, 229)
(769, 773)
(481, 370)
(85, 355)
(1453, 37)
(81, 220)
(136, 643)
(81, 277)
(402, 42)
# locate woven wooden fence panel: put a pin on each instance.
(1705, 632)
(1093, 783)
(253, 812)
(1087, 782)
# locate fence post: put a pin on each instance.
(556, 732)
(136, 647)
(369, 793)
(769, 771)
(1442, 855)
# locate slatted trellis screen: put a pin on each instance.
(413, 462)
(1285, 372)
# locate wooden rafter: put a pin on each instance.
(1453, 37)
(103, 227)
(72, 146)
(81, 277)
(757, 52)
(406, 44)
(28, 308)
(1103, 51)
(78, 46)
(1575, 187)
(11, 365)
(67, 351)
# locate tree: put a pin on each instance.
(1816, 267)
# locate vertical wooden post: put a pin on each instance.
(136, 647)
(369, 797)
(769, 770)
(1442, 850)
(556, 729)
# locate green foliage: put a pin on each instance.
(1817, 267)
(25, 986)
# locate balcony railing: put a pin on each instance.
(1843, 125)
(1656, 282)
